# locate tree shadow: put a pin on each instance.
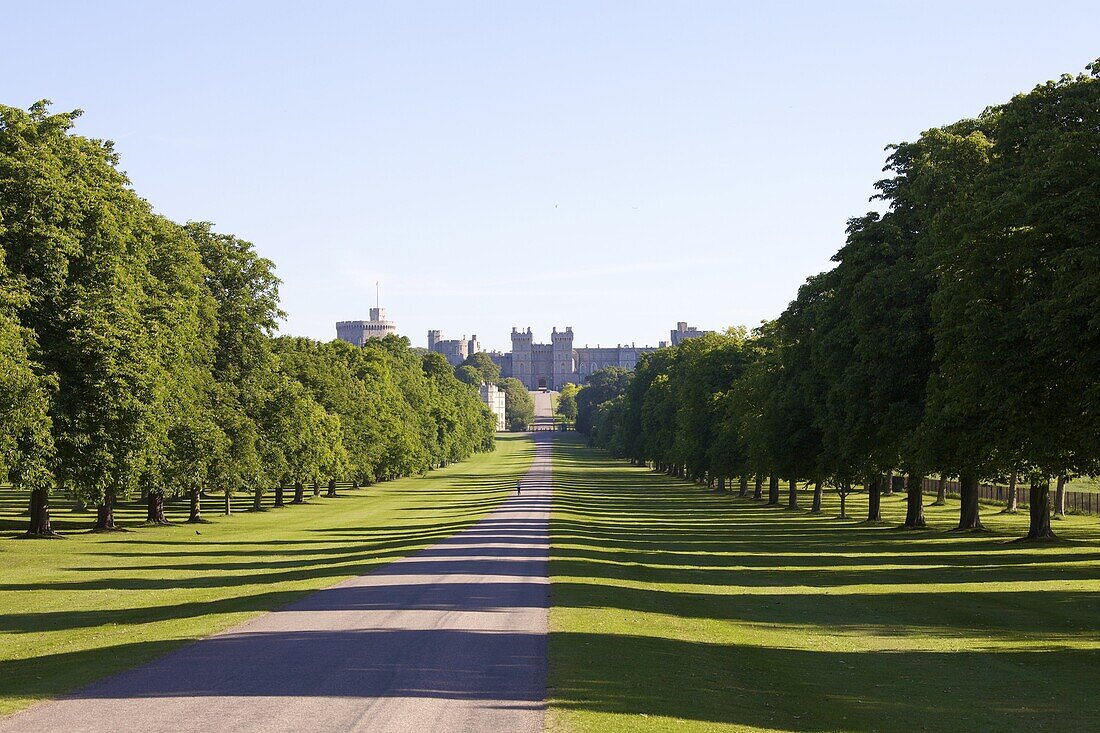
(946, 632)
(802, 690)
(345, 641)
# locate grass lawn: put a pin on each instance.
(77, 609)
(679, 609)
(1083, 483)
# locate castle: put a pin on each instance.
(359, 332)
(456, 350)
(539, 366)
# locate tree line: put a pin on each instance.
(138, 355)
(958, 334)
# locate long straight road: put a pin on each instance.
(450, 639)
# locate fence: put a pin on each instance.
(1080, 502)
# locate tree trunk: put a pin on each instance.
(1013, 504)
(196, 507)
(228, 502)
(299, 494)
(792, 494)
(843, 492)
(105, 514)
(758, 490)
(888, 487)
(316, 488)
(1060, 498)
(39, 527)
(816, 507)
(969, 512)
(722, 484)
(874, 499)
(331, 494)
(914, 497)
(941, 492)
(279, 496)
(743, 486)
(257, 500)
(1039, 511)
(773, 490)
(154, 508)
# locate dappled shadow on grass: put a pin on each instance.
(939, 631)
(804, 690)
(33, 622)
(998, 615)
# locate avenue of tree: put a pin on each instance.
(138, 356)
(958, 334)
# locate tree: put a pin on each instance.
(83, 243)
(245, 295)
(519, 408)
(26, 445)
(487, 369)
(1015, 305)
(468, 375)
(599, 387)
(703, 367)
(567, 402)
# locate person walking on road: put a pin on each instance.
(519, 484)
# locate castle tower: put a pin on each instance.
(434, 337)
(562, 365)
(522, 356)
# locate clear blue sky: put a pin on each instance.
(615, 167)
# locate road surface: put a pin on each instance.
(450, 639)
(544, 409)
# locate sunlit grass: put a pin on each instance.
(677, 608)
(77, 609)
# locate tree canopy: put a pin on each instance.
(958, 333)
(138, 354)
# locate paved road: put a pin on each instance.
(544, 410)
(450, 639)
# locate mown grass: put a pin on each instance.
(78, 609)
(1084, 483)
(679, 609)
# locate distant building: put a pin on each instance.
(591, 360)
(455, 350)
(684, 331)
(553, 365)
(543, 366)
(503, 362)
(496, 400)
(359, 332)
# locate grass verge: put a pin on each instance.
(679, 609)
(75, 610)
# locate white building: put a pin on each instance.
(496, 401)
(359, 332)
